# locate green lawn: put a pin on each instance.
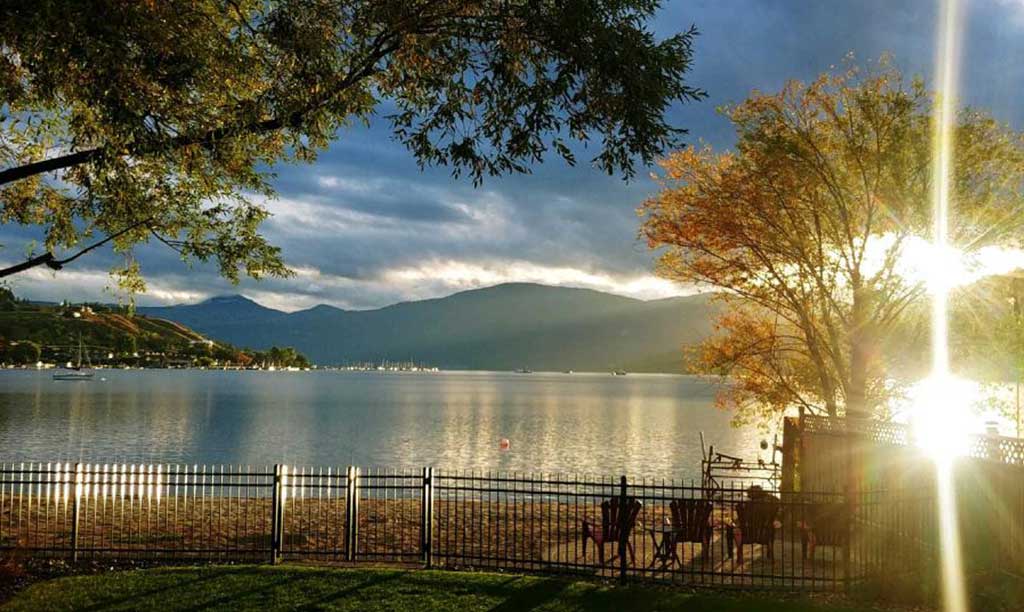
(267, 588)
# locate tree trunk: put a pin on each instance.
(829, 391)
(828, 384)
(860, 355)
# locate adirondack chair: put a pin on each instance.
(823, 523)
(755, 524)
(609, 530)
(692, 521)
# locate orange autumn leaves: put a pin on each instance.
(800, 227)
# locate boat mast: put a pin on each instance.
(78, 365)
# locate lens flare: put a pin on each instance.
(954, 596)
(940, 417)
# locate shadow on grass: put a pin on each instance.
(371, 581)
(248, 591)
(267, 588)
(183, 580)
(188, 580)
(531, 596)
(241, 587)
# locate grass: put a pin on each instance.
(268, 588)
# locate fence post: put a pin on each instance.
(352, 513)
(847, 553)
(275, 495)
(277, 514)
(282, 508)
(623, 529)
(75, 510)
(427, 521)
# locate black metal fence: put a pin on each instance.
(609, 527)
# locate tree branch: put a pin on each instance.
(44, 259)
(50, 261)
(53, 164)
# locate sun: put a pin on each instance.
(941, 416)
(944, 267)
(940, 267)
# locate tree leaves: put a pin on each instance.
(117, 112)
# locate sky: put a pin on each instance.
(364, 226)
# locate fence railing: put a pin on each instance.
(609, 527)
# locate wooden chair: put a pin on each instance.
(692, 521)
(611, 526)
(827, 524)
(755, 524)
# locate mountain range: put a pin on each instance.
(508, 326)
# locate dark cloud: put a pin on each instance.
(365, 225)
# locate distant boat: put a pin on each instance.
(618, 372)
(76, 372)
(568, 372)
(524, 371)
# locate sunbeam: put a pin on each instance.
(943, 408)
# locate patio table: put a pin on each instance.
(665, 538)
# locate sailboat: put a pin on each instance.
(76, 372)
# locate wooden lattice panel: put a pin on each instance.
(878, 431)
(993, 448)
(1009, 451)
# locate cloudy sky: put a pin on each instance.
(365, 227)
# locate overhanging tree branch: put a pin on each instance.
(51, 261)
(208, 139)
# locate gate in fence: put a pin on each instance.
(609, 527)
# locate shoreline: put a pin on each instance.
(348, 370)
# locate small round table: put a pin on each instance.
(665, 539)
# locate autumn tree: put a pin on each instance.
(806, 227)
(131, 122)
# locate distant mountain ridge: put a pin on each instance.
(503, 327)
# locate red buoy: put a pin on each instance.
(504, 444)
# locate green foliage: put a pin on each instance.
(169, 115)
(23, 352)
(987, 329)
(7, 300)
(126, 345)
(286, 357)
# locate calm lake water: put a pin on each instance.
(643, 425)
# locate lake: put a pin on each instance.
(642, 425)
